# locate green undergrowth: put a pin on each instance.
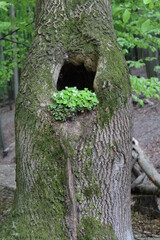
(148, 87)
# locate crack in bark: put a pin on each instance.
(72, 198)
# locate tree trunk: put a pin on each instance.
(150, 65)
(15, 57)
(2, 84)
(2, 141)
(73, 178)
(8, 90)
(157, 62)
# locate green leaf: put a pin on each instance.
(147, 1)
(126, 16)
(157, 68)
(146, 26)
(117, 10)
(136, 64)
(4, 5)
(4, 26)
(149, 59)
(140, 101)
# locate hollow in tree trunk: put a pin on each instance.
(73, 177)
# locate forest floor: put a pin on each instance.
(146, 129)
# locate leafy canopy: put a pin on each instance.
(15, 37)
(136, 25)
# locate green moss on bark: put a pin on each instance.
(90, 228)
(43, 210)
(112, 85)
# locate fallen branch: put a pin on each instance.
(136, 172)
(144, 189)
(134, 157)
(138, 180)
(146, 165)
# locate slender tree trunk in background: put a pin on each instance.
(2, 84)
(150, 65)
(2, 141)
(157, 62)
(16, 80)
(31, 15)
(2, 60)
(73, 178)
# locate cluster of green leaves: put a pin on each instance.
(3, 5)
(137, 23)
(70, 102)
(136, 64)
(149, 88)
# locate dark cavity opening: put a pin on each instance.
(75, 76)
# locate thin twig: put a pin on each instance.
(12, 32)
(8, 40)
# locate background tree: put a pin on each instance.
(2, 141)
(73, 177)
(16, 32)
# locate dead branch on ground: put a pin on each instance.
(142, 159)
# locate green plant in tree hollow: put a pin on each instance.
(70, 102)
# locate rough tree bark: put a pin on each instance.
(73, 178)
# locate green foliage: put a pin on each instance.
(4, 5)
(147, 1)
(149, 59)
(136, 64)
(149, 87)
(126, 16)
(70, 102)
(136, 23)
(157, 69)
(23, 28)
(4, 26)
